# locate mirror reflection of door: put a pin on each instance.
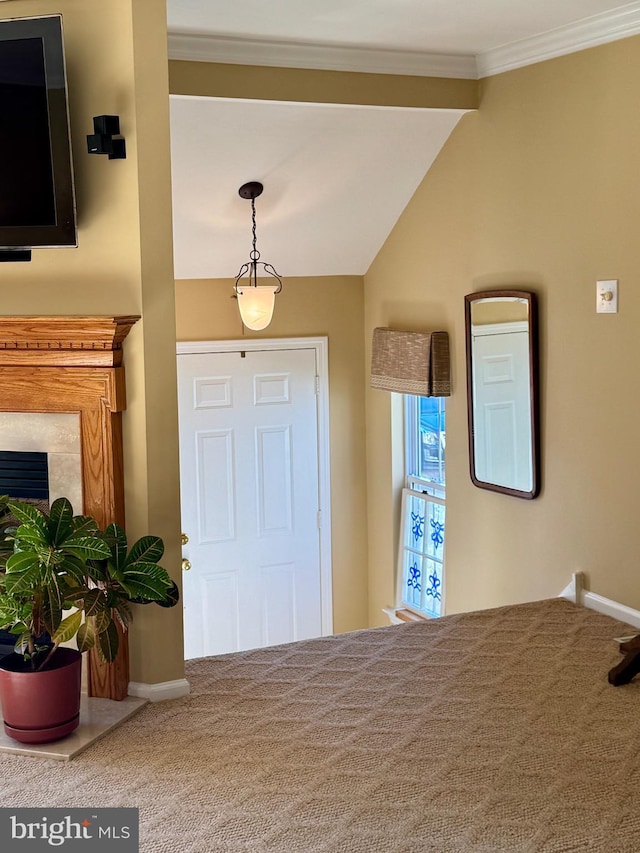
(502, 435)
(502, 391)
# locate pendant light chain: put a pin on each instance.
(255, 254)
(255, 302)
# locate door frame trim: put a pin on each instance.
(321, 347)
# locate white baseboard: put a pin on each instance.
(576, 592)
(160, 691)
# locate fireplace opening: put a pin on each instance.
(24, 475)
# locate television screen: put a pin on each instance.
(36, 179)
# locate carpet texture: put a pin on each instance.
(491, 731)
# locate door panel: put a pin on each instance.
(279, 603)
(274, 476)
(502, 405)
(249, 481)
(215, 505)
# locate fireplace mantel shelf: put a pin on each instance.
(64, 341)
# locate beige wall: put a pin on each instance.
(117, 63)
(331, 306)
(540, 189)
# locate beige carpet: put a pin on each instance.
(494, 731)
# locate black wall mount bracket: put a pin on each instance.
(8, 255)
(102, 141)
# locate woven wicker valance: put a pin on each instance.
(411, 362)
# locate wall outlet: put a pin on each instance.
(607, 296)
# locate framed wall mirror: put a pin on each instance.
(502, 391)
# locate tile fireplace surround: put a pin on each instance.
(58, 435)
(63, 384)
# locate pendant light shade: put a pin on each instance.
(256, 304)
(255, 301)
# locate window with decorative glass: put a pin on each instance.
(422, 538)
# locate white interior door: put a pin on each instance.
(502, 405)
(250, 506)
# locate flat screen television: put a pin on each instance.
(37, 204)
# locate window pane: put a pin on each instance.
(432, 438)
(420, 582)
(414, 528)
(435, 530)
(432, 588)
(422, 553)
(412, 594)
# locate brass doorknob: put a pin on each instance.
(186, 565)
(184, 538)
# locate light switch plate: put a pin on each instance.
(607, 296)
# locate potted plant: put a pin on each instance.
(51, 563)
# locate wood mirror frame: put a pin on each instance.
(521, 432)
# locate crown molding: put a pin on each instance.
(197, 47)
(598, 29)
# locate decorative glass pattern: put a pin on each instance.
(417, 527)
(413, 579)
(433, 588)
(435, 536)
(423, 552)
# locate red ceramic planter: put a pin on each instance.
(40, 707)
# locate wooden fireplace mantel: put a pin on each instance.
(74, 365)
(71, 341)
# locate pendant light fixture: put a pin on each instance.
(255, 301)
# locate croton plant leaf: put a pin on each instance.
(68, 628)
(148, 549)
(60, 523)
(146, 580)
(108, 643)
(29, 514)
(86, 636)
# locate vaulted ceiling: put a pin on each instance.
(337, 177)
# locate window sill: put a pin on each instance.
(400, 615)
